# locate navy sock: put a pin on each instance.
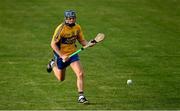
(81, 93)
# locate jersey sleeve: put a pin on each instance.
(56, 35)
(80, 35)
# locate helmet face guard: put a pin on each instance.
(70, 14)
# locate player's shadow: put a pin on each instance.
(92, 103)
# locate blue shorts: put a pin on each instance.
(61, 64)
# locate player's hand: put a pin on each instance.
(65, 58)
(92, 43)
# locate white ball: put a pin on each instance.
(129, 81)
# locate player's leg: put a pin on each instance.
(78, 69)
(58, 67)
(59, 73)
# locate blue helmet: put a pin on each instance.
(69, 14)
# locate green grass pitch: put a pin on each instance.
(142, 43)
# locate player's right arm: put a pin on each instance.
(56, 38)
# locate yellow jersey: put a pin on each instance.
(66, 37)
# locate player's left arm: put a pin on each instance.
(81, 38)
(84, 42)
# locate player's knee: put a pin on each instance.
(60, 79)
(80, 74)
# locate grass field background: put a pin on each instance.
(142, 43)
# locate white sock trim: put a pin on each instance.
(52, 63)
